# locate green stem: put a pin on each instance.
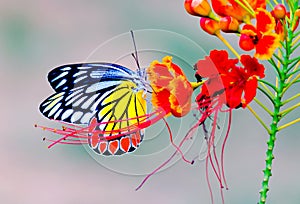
(294, 67)
(290, 99)
(269, 84)
(290, 83)
(288, 110)
(266, 94)
(258, 118)
(278, 58)
(295, 47)
(263, 106)
(297, 81)
(271, 143)
(289, 124)
(270, 4)
(296, 59)
(277, 115)
(228, 45)
(292, 73)
(296, 34)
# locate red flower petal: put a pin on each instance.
(171, 89)
(265, 22)
(180, 98)
(159, 75)
(250, 91)
(252, 67)
(161, 99)
(248, 28)
(266, 46)
(228, 8)
(206, 67)
(221, 61)
(233, 96)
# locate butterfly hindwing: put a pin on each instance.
(124, 106)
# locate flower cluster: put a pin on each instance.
(232, 16)
(233, 85)
(227, 84)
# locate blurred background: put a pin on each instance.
(36, 36)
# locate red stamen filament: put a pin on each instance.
(75, 134)
(177, 148)
(223, 148)
(186, 137)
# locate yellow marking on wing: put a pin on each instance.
(121, 106)
(131, 110)
(127, 104)
(110, 126)
(54, 102)
(56, 96)
(140, 103)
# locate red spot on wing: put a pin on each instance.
(138, 136)
(102, 147)
(125, 144)
(135, 139)
(113, 146)
(94, 140)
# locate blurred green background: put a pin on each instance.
(36, 36)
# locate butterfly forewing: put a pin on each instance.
(81, 88)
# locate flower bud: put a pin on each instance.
(229, 24)
(246, 42)
(279, 29)
(197, 7)
(209, 25)
(279, 11)
(297, 13)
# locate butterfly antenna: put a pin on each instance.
(135, 55)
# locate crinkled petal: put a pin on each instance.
(180, 98)
(221, 60)
(171, 89)
(249, 30)
(215, 64)
(159, 75)
(265, 23)
(266, 46)
(252, 67)
(161, 99)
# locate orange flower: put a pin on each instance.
(171, 89)
(261, 37)
(233, 9)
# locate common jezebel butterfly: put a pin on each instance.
(110, 100)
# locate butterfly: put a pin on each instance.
(105, 104)
(107, 96)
